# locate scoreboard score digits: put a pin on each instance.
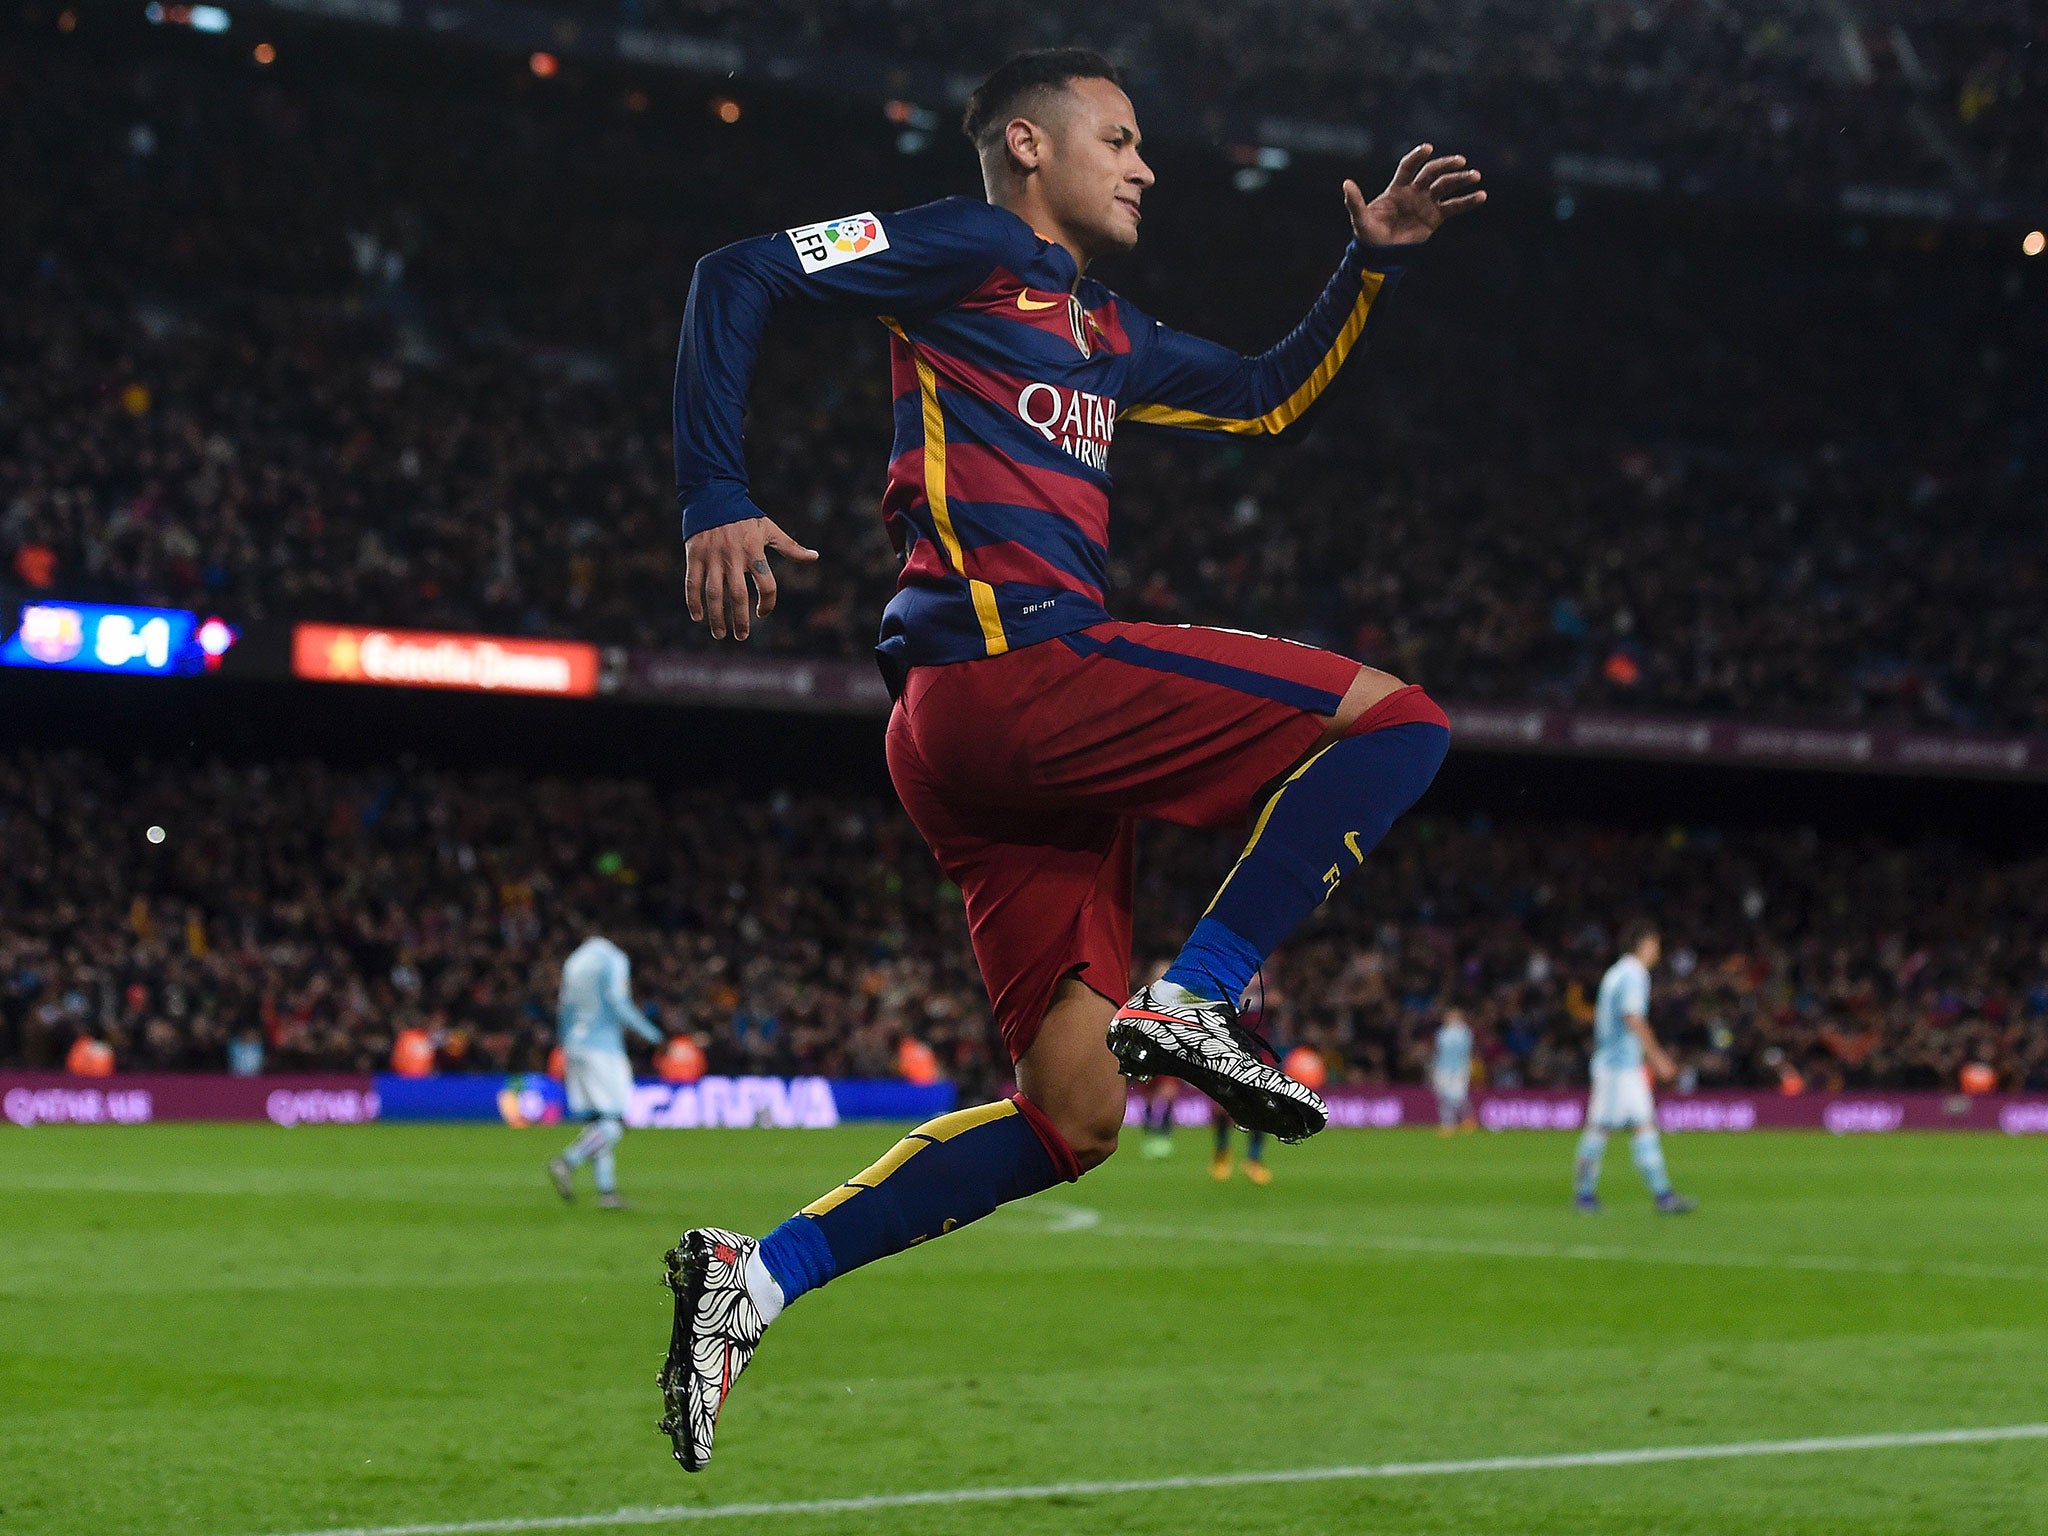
(101, 637)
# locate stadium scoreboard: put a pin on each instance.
(102, 637)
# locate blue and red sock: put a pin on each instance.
(943, 1175)
(1318, 827)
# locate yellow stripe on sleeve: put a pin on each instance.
(1289, 410)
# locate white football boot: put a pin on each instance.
(1201, 1043)
(717, 1329)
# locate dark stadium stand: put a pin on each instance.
(396, 350)
(1895, 91)
(320, 910)
(1928, 104)
(383, 336)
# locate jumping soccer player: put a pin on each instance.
(1622, 1043)
(597, 1004)
(1031, 731)
(1450, 1074)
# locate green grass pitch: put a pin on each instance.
(228, 1331)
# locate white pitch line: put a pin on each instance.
(1579, 1252)
(1643, 1456)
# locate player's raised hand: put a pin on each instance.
(1423, 193)
(719, 562)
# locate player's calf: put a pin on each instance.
(1071, 1076)
(728, 1288)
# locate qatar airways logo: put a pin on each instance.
(1081, 423)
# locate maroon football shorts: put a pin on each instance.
(1028, 772)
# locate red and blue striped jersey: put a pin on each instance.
(1010, 374)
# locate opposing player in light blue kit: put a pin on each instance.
(597, 1007)
(1450, 1074)
(1622, 1044)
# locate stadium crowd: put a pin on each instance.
(1899, 92)
(361, 350)
(394, 347)
(302, 916)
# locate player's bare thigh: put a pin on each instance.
(1367, 689)
(1070, 1074)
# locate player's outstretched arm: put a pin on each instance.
(1186, 383)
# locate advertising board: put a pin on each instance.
(421, 658)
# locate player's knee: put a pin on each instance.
(1095, 1146)
(1402, 704)
(1369, 688)
(1090, 1122)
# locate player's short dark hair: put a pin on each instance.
(1638, 930)
(1021, 82)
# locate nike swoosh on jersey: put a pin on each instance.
(1025, 301)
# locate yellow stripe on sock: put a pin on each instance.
(871, 1175)
(830, 1201)
(944, 1128)
(1259, 828)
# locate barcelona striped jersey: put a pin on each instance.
(1010, 373)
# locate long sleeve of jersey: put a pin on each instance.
(895, 264)
(1185, 383)
(618, 996)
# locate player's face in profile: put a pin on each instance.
(1650, 951)
(1094, 178)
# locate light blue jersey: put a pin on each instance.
(597, 1001)
(1624, 990)
(1453, 1050)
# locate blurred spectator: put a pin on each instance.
(245, 1054)
(89, 1057)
